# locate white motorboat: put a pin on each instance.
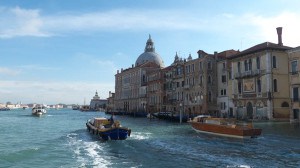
(39, 110)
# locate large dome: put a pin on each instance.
(149, 55)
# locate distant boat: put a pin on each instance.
(170, 116)
(85, 108)
(39, 110)
(107, 129)
(224, 127)
(75, 107)
(4, 109)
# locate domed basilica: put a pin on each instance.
(131, 83)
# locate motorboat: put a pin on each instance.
(85, 108)
(107, 129)
(76, 107)
(39, 110)
(224, 127)
(170, 116)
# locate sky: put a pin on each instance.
(55, 51)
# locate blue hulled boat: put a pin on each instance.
(107, 129)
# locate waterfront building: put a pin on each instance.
(224, 99)
(131, 83)
(155, 90)
(204, 94)
(197, 91)
(169, 99)
(110, 102)
(294, 78)
(96, 103)
(260, 78)
(174, 86)
(2, 105)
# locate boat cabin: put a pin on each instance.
(97, 122)
(200, 118)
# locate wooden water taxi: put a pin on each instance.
(107, 129)
(224, 127)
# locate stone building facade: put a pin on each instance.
(224, 101)
(251, 84)
(96, 103)
(294, 78)
(259, 81)
(131, 83)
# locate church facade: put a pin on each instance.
(131, 83)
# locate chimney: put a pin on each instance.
(279, 32)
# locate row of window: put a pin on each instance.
(248, 64)
(191, 68)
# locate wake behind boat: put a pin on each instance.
(224, 127)
(39, 110)
(107, 129)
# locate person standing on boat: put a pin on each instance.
(112, 119)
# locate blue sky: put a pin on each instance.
(55, 51)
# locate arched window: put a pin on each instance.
(239, 67)
(209, 79)
(285, 104)
(209, 96)
(274, 62)
(275, 85)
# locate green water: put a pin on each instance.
(60, 139)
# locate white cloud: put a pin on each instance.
(37, 67)
(9, 71)
(266, 25)
(104, 67)
(30, 22)
(52, 92)
(20, 22)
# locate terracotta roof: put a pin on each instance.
(261, 47)
(227, 53)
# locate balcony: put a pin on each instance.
(250, 95)
(142, 95)
(172, 101)
(248, 74)
(187, 86)
(294, 72)
(295, 99)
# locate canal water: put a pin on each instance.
(60, 139)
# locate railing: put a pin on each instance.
(248, 73)
(142, 95)
(294, 72)
(295, 99)
(251, 95)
